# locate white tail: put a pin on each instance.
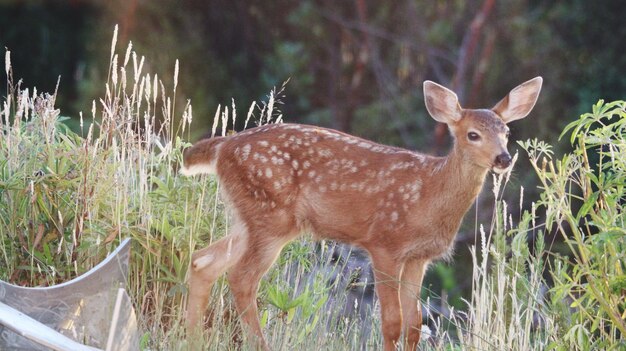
(403, 207)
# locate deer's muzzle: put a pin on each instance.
(502, 161)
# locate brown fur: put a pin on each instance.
(403, 207)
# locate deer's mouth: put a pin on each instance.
(499, 170)
(502, 163)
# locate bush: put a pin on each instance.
(583, 194)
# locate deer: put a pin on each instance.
(404, 208)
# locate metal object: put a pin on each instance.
(90, 312)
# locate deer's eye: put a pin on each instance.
(473, 136)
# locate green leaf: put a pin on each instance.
(587, 206)
(577, 125)
(617, 285)
(552, 346)
(291, 313)
(264, 319)
(595, 324)
(278, 298)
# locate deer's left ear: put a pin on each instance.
(520, 101)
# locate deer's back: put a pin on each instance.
(341, 186)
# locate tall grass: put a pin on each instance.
(67, 198)
(506, 310)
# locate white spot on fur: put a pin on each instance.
(294, 164)
(202, 262)
(402, 165)
(277, 160)
(394, 216)
(245, 151)
(268, 172)
(325, 153)
(350, 140)
(202, 168)
(263, 143)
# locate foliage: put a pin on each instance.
(507, 310)
(66, 199)
(355, 64)
(583, 195)
(580, 306)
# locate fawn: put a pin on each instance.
(404, 208)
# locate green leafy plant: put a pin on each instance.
(583, 197)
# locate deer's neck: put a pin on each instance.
(458, 181)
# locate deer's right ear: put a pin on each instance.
(442, 103)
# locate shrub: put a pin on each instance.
(583, 194)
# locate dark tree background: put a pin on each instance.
(355, 65)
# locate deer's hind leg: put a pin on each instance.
(262, 250)
(207, 265)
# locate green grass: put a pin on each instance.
(67, 198)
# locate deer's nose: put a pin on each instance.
(503, 160)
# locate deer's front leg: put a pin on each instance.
(387, 273)
(410, 287)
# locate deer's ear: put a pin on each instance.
(442, 103)
(520, 100)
